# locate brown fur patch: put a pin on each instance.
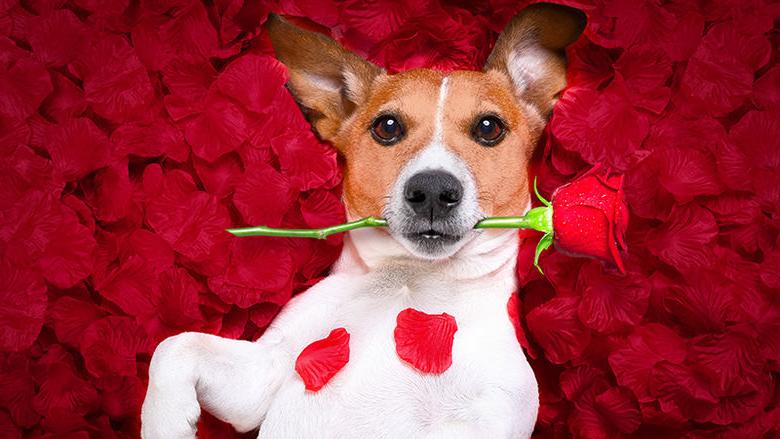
(500, 171)
(371, 168)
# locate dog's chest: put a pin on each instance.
(382, 388)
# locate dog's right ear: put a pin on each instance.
(326, 80)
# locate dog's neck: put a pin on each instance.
(489, 254)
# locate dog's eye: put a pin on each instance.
(488, 131)
(387, 130)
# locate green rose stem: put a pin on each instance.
(538, 218)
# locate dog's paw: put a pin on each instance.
(166, 414)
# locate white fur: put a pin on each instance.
(489, 391)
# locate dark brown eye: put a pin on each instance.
(387, 130)
(489, 131)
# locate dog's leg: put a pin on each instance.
(232, 379)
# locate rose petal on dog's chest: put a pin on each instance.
(323, 359)
(425, 340)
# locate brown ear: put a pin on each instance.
(326, 80)
(531, 50)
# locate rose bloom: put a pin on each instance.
(590, 216)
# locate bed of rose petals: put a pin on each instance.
(133, 132)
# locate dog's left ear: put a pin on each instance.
(531, 50)
(326, 80)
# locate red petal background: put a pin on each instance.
(133, 132)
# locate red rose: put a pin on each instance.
(590, 216)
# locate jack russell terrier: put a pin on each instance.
(409, 336)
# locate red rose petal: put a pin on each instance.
(611, 302)
(24, 86)
(77, 147)
(23, 298)
(556, 327)
(110, 346)
(633, 363)
(18, 390)
(425, 340)
(513, 309)
(323, 359)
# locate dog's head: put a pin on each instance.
(434, 153)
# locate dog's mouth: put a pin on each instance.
(432, 240)
(432, 235)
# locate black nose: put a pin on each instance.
(433, 194)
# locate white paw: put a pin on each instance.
(166, 414)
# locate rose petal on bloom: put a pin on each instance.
(110, 345)
(321, 360)
(425, 340)
(556, 327)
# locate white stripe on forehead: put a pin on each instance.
(438, 121)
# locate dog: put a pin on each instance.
(432, 153)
